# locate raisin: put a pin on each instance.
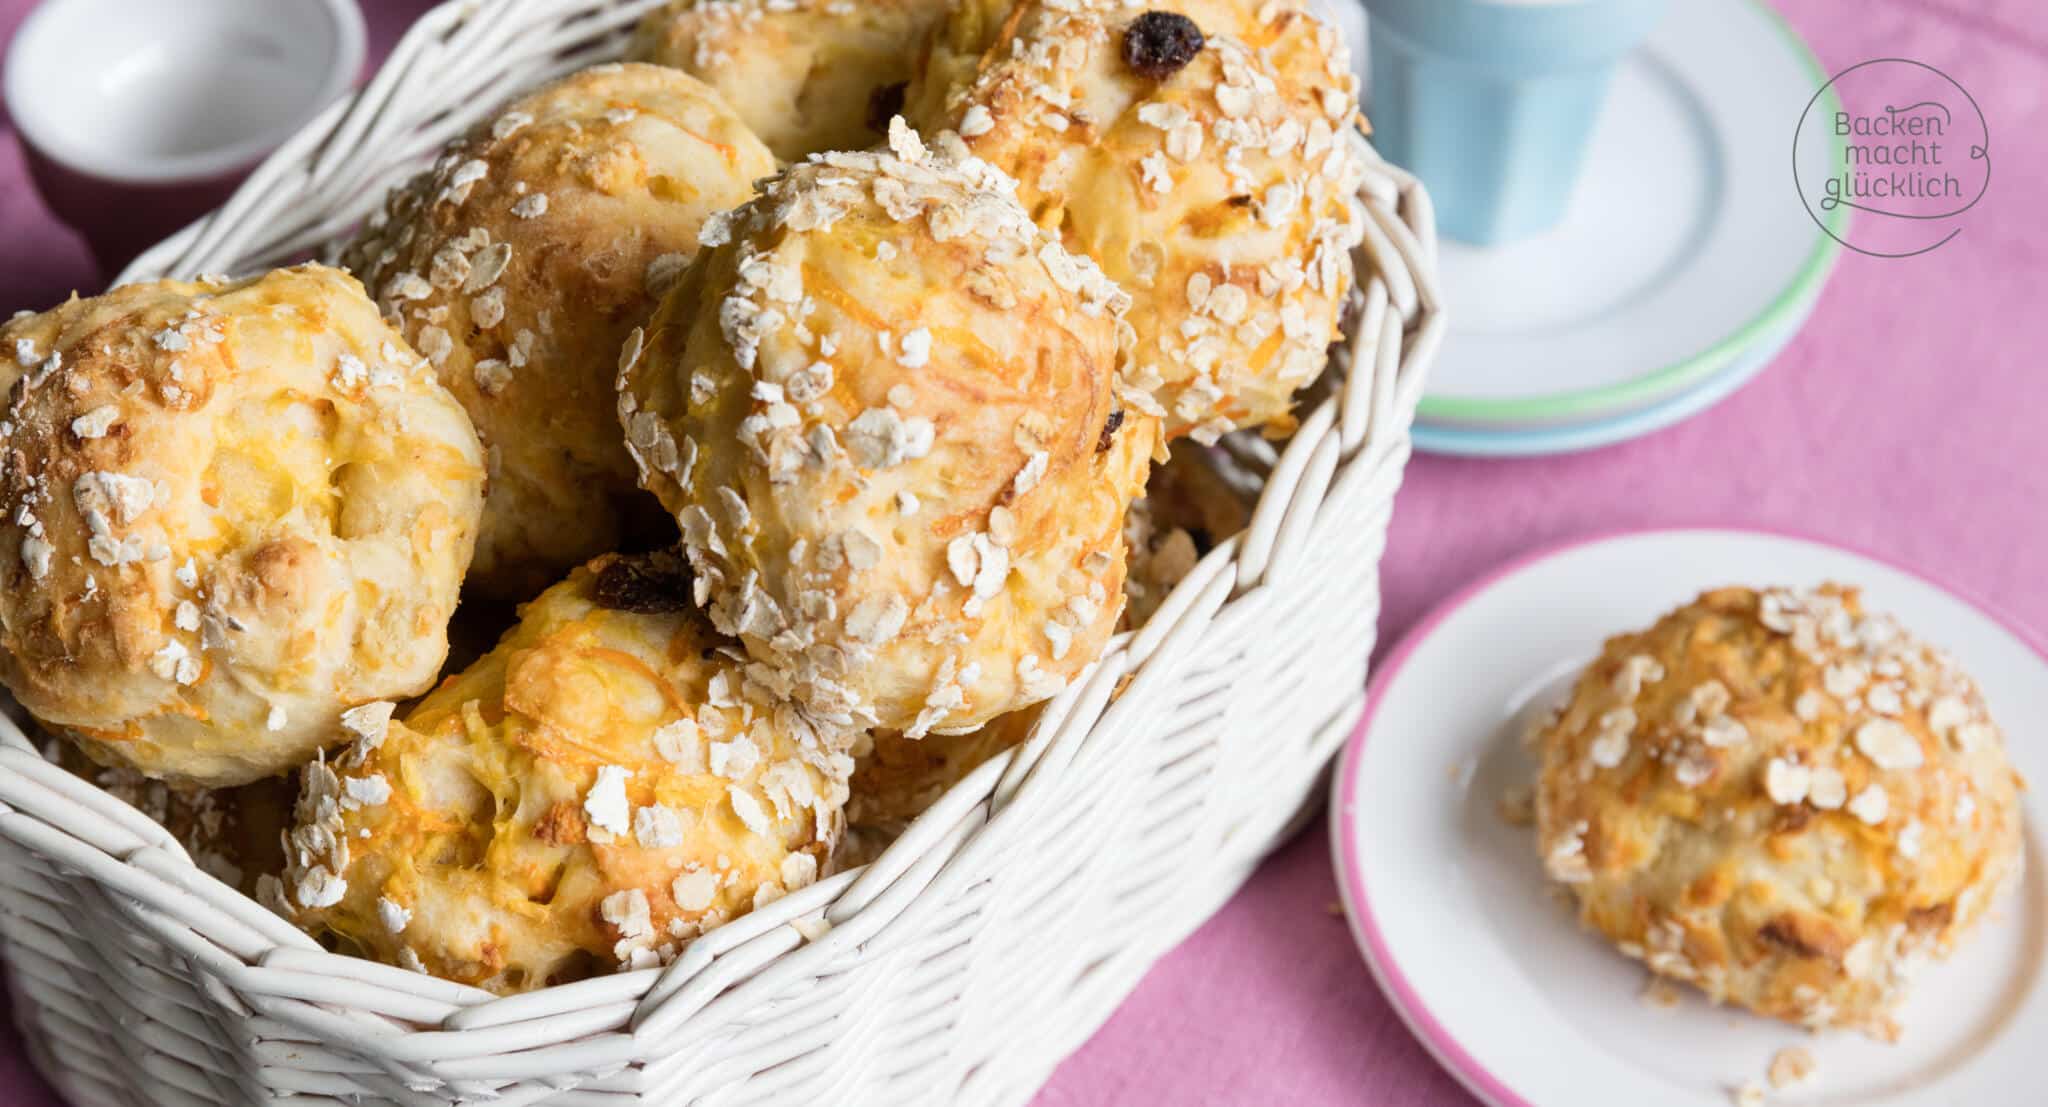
(1109, 426)
(1158, 44)
(651, 584)
(885, 103)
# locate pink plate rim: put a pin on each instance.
(1365, 928)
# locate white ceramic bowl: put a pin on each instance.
(161, 91)
(139, 116)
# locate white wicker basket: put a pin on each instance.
(960, 967)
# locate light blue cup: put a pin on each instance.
(1491, 102)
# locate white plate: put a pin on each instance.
(1685, 242)
(1450, 905)
(1498, 442)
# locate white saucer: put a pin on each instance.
(1686, 241)
(1449, 902)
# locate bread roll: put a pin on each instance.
(519, 264)
(1782, 798)
(807, 75)
(1203, 152)
(601, 787)
(884, 409)
(229, 511)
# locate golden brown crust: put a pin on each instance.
(1221, 197)
(886, 443)
(602, 786)
(1188, 507)
(1780, 798)
(895, 778)
(807, 75)
(231, 510)
(519, 264)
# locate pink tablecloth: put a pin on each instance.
(1910, 416)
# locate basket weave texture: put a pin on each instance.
(960, 967)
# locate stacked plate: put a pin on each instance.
(1686, 262)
